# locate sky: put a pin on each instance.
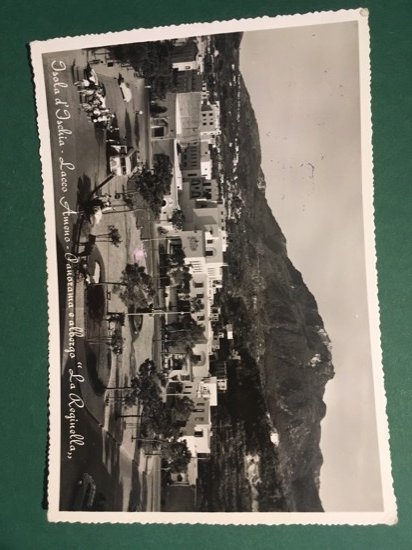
(304, 88)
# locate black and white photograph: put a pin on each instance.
(213, 316)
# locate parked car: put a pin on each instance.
(85, 493)
(126, 92)
(124, 162)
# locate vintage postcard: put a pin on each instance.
(213, 316)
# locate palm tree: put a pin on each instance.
(112, 236)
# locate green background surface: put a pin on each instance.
(23, 404)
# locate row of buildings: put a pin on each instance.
(188, 131)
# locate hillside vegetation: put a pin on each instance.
(285, 352)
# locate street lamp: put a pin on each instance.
(156, 312)
(156, 239)
(119, 415)
(113, 211)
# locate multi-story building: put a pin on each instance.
(201, 212)
(196, 160)
(210, 119)
(184, 56)
(206, 217)
(205, 160)
(181, 119)
(197, 431)
(192, 368)
(189, 54)
(202, 188)
(205, 92)
(199, 300)
(190, 159)
(214, 313)
(219, 370)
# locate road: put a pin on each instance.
(79, 165)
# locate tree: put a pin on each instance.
(178, 219)
(116, 341)
(112, 236)
(193, 305)
(196, 305)
(151, 60)
(154, 184)
(186, 328)
(144, 384)
(182, 407)
(148, 389)
(160, 421)
(163, 170)
(180, 277)
(183, 340)
(135, 287)
(147, 368)
(176, 455)
(183, 304)
(174, 387)
(177, 257)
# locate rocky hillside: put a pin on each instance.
(285, 352)
(280, 326)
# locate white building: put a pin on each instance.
(205, 160)
(210, 119)
(197, 431)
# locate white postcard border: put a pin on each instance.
(389, 515)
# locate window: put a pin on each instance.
(198, 285)
(198, 433)
(199, 418)
(158, 132)
(209, 252)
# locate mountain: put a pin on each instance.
(278, 384)
(279, 326)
